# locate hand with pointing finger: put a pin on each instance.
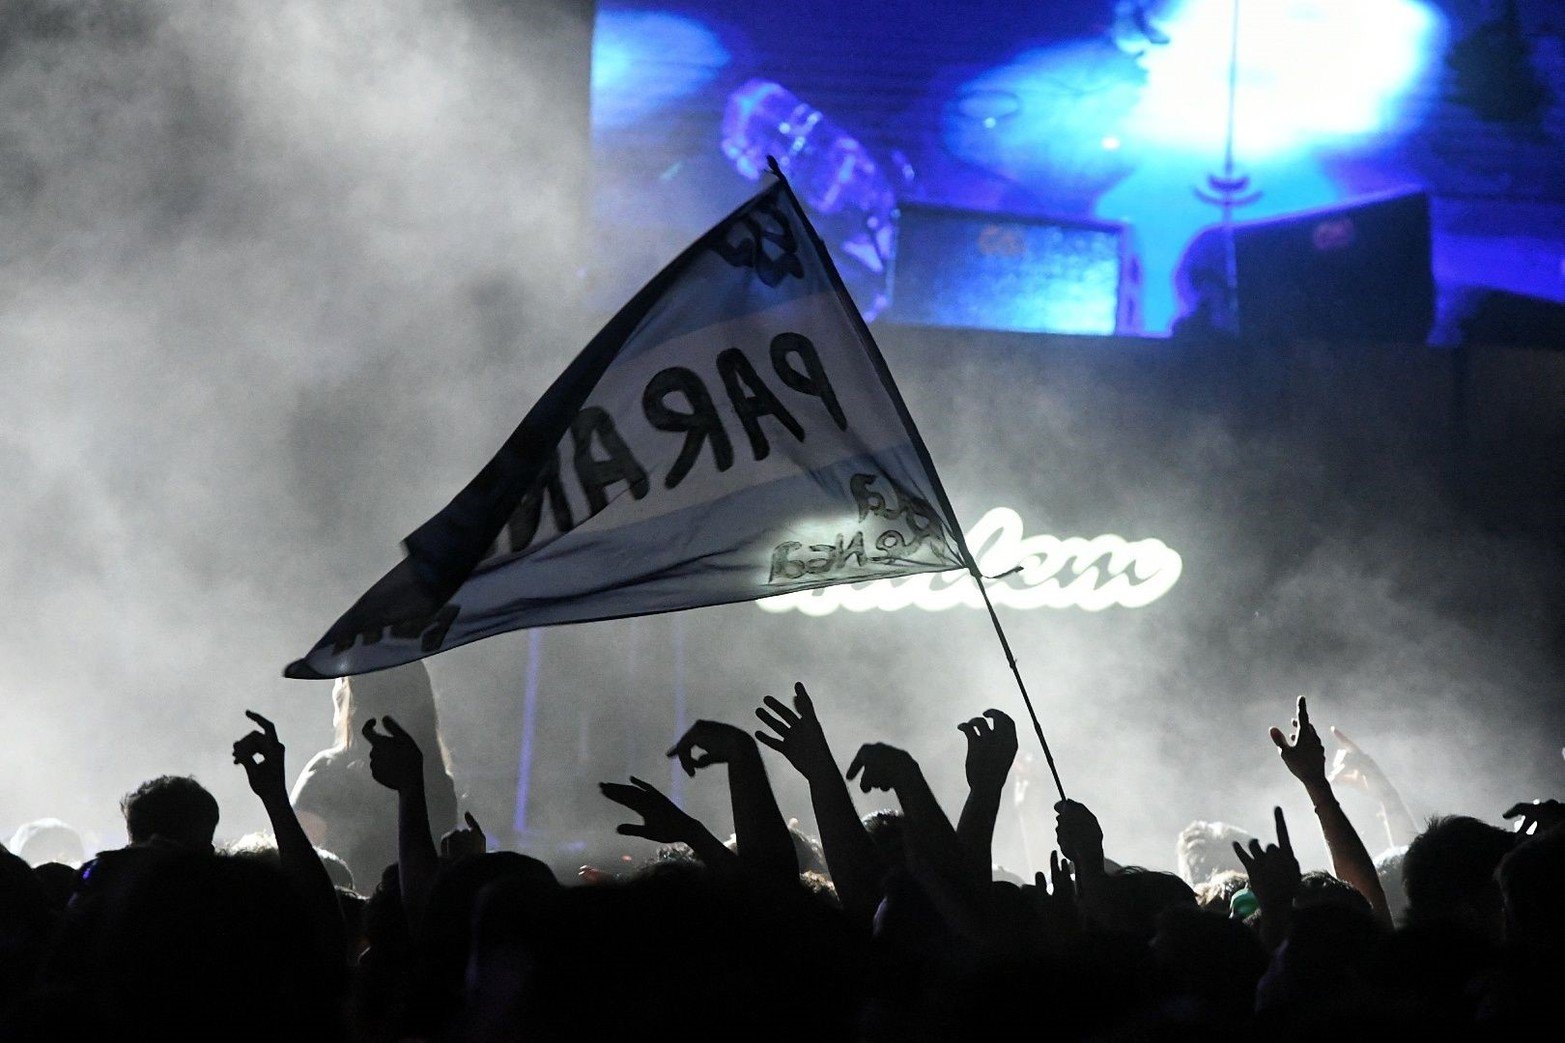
(396, 762)
(1305, 757)
(1274, 876)
(1302, 752)
(460, 843)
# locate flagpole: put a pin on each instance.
(884, 372)
(1015, 670)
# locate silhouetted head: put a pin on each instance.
(48, 840)
(176, 808)
(263, 846)
(1217, 894)
(1449, 871)
(1205, 849)
(1134, 898)
(1534, 896)
(58, 881)
(806, 849)
(1317, 888)
(1212, 962)
(1388, 866)
(446, 935)
(196, 947)
(671, 858)
(885, 829)
(1325, 966)
(403, 693)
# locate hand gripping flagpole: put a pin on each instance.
(884, 372)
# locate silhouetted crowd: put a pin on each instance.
(894, 926)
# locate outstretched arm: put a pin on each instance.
(1305, 757)
(934, 855)
(397, 763)
(991, 749)
(850, 853)
(765, 845)
(260, 753)
(929, 832)
(1353, 767)
(664, 822)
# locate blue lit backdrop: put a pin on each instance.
(1083, 109)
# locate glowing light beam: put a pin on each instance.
(1309, 71)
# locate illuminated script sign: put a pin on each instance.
(1044, 571)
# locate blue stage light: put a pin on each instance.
(850, 195)
(1126, 133)
(643, 60)
(1042, 119)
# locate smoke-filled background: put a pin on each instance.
(277, 278)
(278, 281)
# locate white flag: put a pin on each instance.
(733, 433)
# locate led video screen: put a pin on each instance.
(1076, 111)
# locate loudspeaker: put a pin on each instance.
(980, 270)
(1353, 271)
(1499, 318)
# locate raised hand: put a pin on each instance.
(991, 749)
(1351, 766)
(1305, 757)
(1059, 875)
(1273, 870)
(460, 843)
(1302, 752)
(662, 821)
(799, 736)
(260, 753)
(396, 762)
(850, 854)
(878, 766)
(1080, 836)
(1538, 816)
(711, 742)
(1056, 898)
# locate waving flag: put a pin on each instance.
(731, 434)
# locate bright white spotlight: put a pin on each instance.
(1308, 70)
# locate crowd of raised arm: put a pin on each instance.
(891, 926)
